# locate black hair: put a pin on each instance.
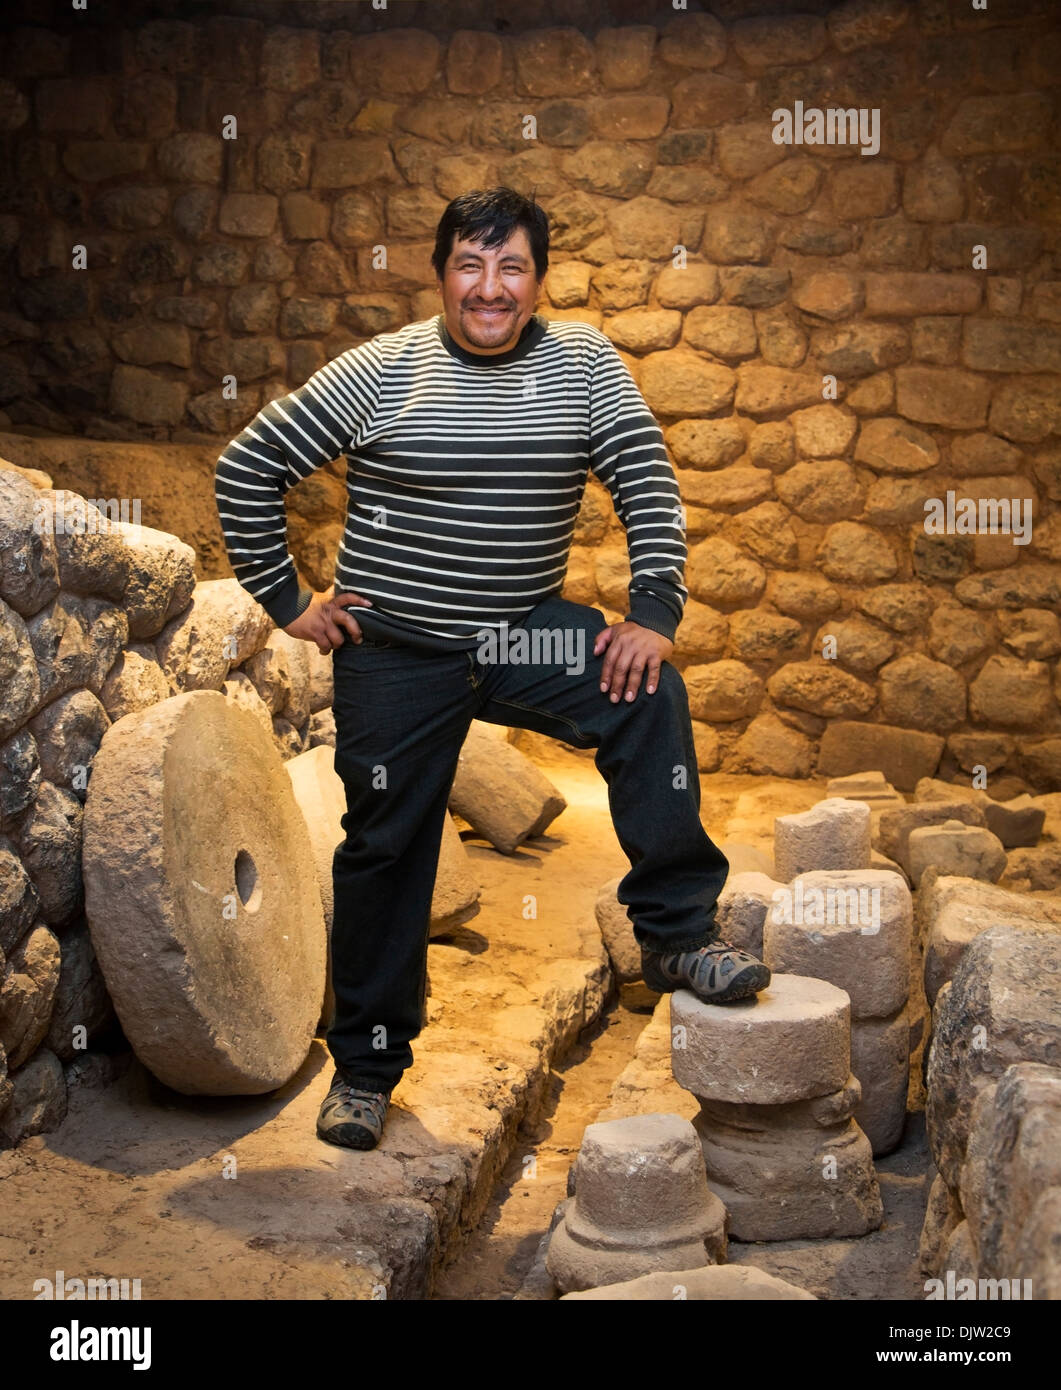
(488, 217)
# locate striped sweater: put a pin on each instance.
(464, 477)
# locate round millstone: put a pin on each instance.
(791, 1042)
(201, 897)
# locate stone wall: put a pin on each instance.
(829, 339)
(96, 622)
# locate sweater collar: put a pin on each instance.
(533, 333)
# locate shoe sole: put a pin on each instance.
(749, 981)
(332, 1137)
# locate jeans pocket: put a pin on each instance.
(368, 642)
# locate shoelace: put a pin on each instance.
(372, 1101)
(720, 954)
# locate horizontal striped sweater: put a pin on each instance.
(464, 476)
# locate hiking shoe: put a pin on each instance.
(352, 1117)
(717, 973)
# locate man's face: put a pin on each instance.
(489, 296)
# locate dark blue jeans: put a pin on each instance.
(401, 716)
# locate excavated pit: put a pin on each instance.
(528, 1042)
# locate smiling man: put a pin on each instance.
(468, 439)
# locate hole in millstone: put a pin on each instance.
(248, 885)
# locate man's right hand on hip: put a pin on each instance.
(327, 622)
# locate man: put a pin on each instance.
(468, 437)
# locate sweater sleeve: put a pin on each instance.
(629, 457)
(286, 441)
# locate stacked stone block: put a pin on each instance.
(834, 834)
(773, 1078)
(871, 787)
(967, 851)
(994, 1118)
(1017, 848)
(895, 827)
(860, 940)
(640, 1203)
(840, 920)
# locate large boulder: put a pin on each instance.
(221, 628)
(952, 912)
(161, 577)
(1011, 1181)
(617, 932)
(81, 999)
(37, 1103)
(1000, 1008)
(501, 793)
(27, 994)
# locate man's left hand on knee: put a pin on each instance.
(632, 652)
